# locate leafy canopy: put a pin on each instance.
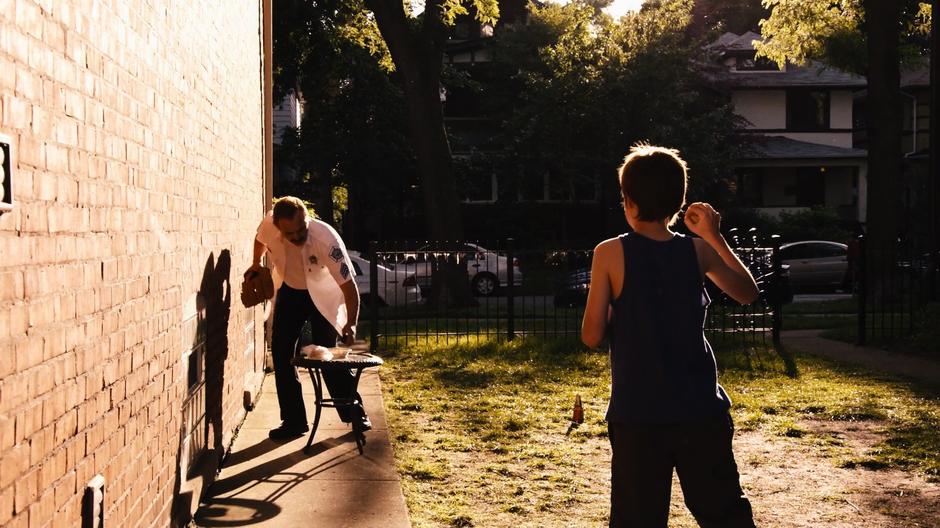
(833, 30)
(595, 86)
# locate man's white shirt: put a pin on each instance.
(325, 262)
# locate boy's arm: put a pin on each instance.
(722, 266)
(596, 312)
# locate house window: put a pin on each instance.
(807, 110)
(750, 187)
(478, 188)
(557, 189)
(757, 64)
(532, 187)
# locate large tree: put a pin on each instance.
(353, 135)
(870, 37)
(416, 44)
(413, 44)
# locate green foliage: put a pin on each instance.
(818, 223)
(595, 86)
(353, 126)
(926, 338)
(832, 30)
(719, 16)
(799, 30)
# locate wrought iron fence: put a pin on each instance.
(455, 290)
(893, 286)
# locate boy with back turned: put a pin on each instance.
(647, 296)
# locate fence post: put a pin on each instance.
(373, 296)
(862, 279)
(510, 294)
(776, 285)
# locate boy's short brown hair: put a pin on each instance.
(655, 180)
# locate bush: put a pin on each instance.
(818, 223)
(926, 337)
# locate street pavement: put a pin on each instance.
(274, 484)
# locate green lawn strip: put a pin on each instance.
(479, 426)
(844, 306)
(817, 321)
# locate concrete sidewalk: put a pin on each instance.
(267, 483)
(883, 361)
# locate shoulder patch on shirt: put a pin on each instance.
(344, 270)
(337, 255)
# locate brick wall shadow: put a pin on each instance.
(214, 304)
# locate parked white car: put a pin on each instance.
(395, 287)
(486, 269)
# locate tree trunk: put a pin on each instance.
(884, 132)
(418, 54)
(426, 123)
(322, 183)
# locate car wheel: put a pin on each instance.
(484, 284)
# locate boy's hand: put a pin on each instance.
(703, 220)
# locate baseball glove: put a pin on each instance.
(257, 287)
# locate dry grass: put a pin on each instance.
(479, 431)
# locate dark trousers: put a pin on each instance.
(641, 474)
(292, 309)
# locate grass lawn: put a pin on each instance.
(479, 428)
(841, 313)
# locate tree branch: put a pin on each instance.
(433, 27)
(393, 24)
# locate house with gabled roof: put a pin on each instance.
(798, 124)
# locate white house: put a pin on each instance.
(799, 122)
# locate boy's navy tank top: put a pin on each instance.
(662, 368)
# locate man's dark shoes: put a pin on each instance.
(288, 430)
(365, 424)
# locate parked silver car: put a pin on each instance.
(816, 263)
(395, 287)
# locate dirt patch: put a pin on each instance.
(791, 485)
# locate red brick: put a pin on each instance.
(16, 112)
(28, 421)
(41, 511)
(28, 352)
(65, 489)
(26, 489)
(27, 84)
(6, 505)
(70, 513)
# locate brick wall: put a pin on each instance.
(138, 173)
